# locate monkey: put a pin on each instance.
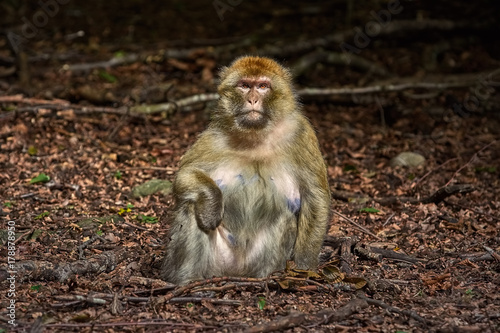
(252, 192)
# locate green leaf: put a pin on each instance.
(119, 54)
(261, 303)
(488, 169)
(41, 216)
(118, 174)
(108, 77)
(349, 168)
(41, 178)
(36, 233)
(189, 305)
(369, 210)
(36, 287)
(99, 233)
(147, 219)
(7, 204)
(32, 150)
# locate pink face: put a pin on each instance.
(253, 92)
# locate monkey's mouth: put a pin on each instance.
(252, 119)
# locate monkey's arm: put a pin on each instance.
(315, 203)
(313, 218)
(193, 187)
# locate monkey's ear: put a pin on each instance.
(223, 72)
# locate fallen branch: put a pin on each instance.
(64, 272)
(377, 254)
(435, 197)
(454, 81)
(322, 317)
(384, 88)
(115, 61)
(408, 313)
(357, 225)
(104, 298)
(172, 106)
(184, 289)
(469, 162)
(485, 256)
(337, 58)
(399, 26)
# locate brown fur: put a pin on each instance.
(249, 199)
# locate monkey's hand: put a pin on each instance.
(195, 190)
(209, 208)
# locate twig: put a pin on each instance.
(390, 254)
(388, 219)
(183, 289)
(409, 313)
(492, 252)
(469, 162)
(357, 225)
(477, 211)
(435, 169)
(135, 226)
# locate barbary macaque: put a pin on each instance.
(253, 191)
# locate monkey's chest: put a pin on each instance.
(260, 219)
(256, 196)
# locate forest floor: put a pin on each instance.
(419, 251)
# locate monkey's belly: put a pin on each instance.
(258, 229)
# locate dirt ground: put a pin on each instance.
(417, 247)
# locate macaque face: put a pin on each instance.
(254, 93)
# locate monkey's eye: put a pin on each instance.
(263, 85)
(244, 85)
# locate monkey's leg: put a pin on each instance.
(189, 254)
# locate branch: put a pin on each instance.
(322, 317)
(469, 162)
(63, 272)
(452, 81)
(273, 49)
(409, 313)
(385, 88)
(115, 61)
(337, 58)
(343, 36)
(435, 197)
